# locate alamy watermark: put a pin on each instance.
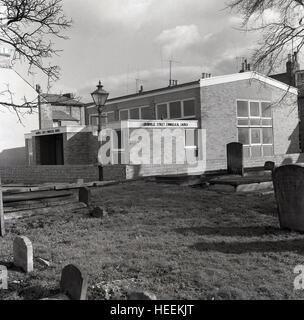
(3, 278)
(162, 146)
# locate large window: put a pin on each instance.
(175, 110)
(255, 129)
(124, 114)
(147, 113)
(162, 111)
(184, 109)
(134, 113)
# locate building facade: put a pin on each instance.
(258, 111)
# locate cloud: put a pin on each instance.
(178, 39)
(122, 84)
(110, 37)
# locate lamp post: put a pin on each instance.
(100, 97)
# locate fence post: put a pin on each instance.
(2, 228)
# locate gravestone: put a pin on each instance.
(74, 282)
(2, 227)
(269, 165)
(98, 212)
(141, 296)
(23, 254)
(3, 278)
(235, 162)
(85, 195)
(289, 192)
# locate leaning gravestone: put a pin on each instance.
(235, 163)
(85, 195)
(289, 191)
(2, 227)
(23, 254)
(74, 282)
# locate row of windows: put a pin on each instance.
(172, 110)
(184, 109)
(253, 109)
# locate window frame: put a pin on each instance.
(250, 126)
(143, 107)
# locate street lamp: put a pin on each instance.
(100, 97)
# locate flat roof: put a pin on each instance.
(182, 85)
(216, 80)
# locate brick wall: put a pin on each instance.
(45, 174)
(80, 148)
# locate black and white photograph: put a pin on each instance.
(151, 150)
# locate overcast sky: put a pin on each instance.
(118, 41)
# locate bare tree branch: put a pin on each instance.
(28, 27)
(281, 24)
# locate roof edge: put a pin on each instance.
(247, 76)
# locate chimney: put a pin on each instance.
(69, 95)
(296, 66)
(173, 83)
(206, 75)
(289, 65)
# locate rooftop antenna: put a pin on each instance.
(171, 61)
(138, 81)
(127, 78)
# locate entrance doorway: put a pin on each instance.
(51, 150)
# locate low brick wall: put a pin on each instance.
(45, 174)
(122, 172)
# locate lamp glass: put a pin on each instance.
(100, 96)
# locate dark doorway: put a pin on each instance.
(51, 150)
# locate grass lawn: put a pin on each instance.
(177, 242)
